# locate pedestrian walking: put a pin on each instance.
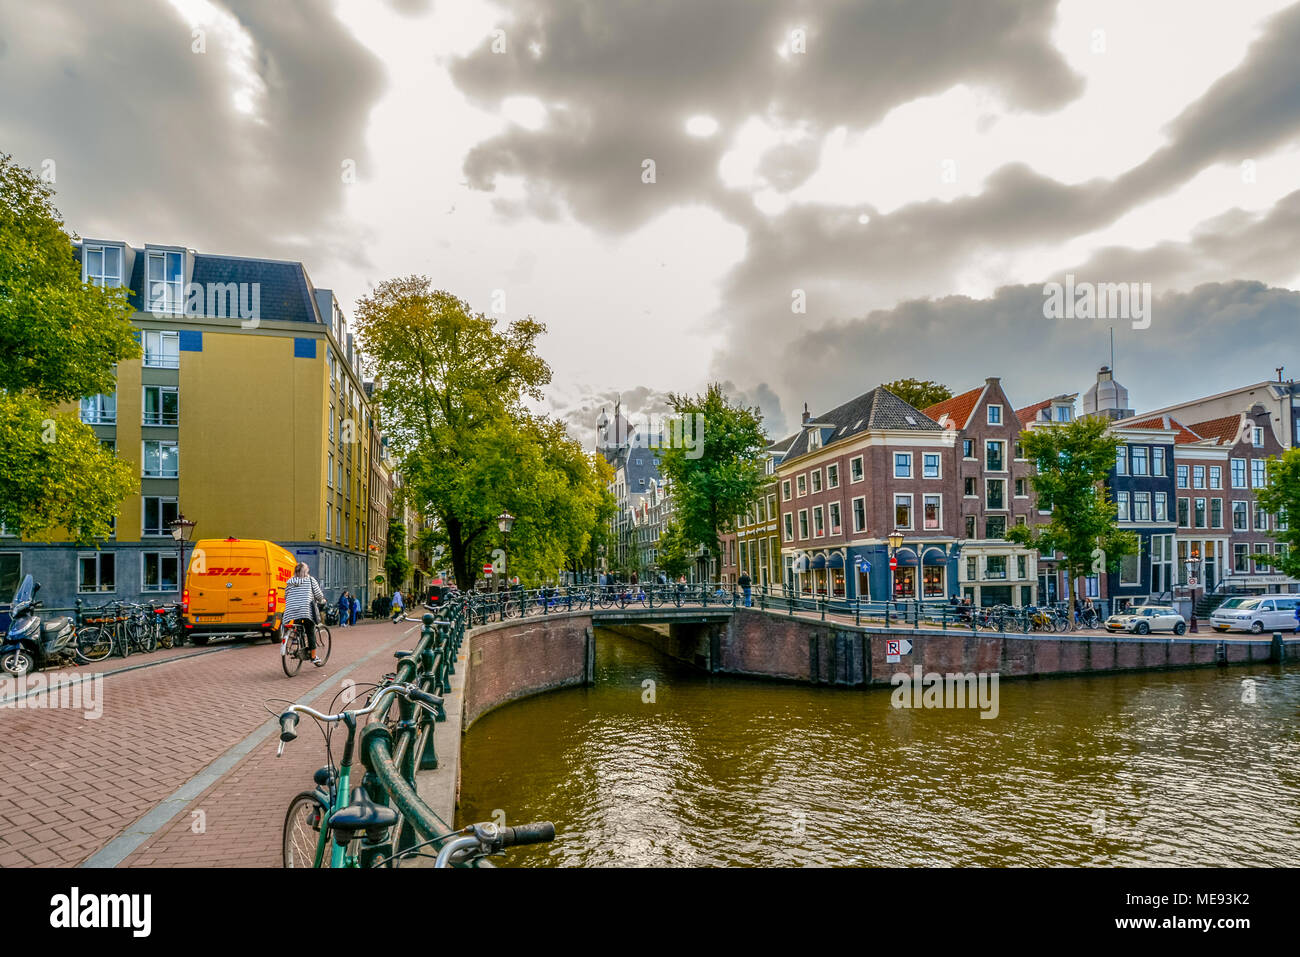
(345, 609)
(397, 608)
(745, 584)
(356, 610)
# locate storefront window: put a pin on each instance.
(904, 582)
(932, 581)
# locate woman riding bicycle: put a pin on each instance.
(301, 596)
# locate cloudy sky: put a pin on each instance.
(843, 192)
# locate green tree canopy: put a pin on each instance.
(60, 341)
(396, 562)
(1281, 497)
(918, 393)
(674, 551)
(453, 386)
(721, 476)
(1073, 461)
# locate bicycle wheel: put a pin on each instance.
(290, 655)
(322, 643)
(302, 826)
(94, 643)
(121, 640)
(146, 637)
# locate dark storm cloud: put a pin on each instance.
(148, 145)
(1240, 323)
(621, 79)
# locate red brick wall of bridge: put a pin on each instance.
(515, 659)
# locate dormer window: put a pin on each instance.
(815, 439)
(165, 282)
(102, 265)
(1063, 413)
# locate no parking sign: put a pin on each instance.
(895, 648)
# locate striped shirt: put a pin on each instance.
(300, 598)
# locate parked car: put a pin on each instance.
(1257, 615)
(1145, 619)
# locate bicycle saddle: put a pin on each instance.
(361, 814)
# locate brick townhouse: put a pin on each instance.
(994, 492)
(851, 477)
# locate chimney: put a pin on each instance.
(806, 416)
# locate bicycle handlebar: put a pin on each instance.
(289, 719)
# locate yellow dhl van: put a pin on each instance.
(235, 586)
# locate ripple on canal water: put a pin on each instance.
(1169, 769)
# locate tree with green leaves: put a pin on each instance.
(396, 562)
(720, 474)
(1073, 460)
(1281, 497)
(917, 393)
(674, 551)
(453, 387)
(60, 341)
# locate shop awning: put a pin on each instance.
(935, 556)
(835, 560)
(906, 558)
(817, 561)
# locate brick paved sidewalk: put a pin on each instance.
(238, 821)
(68, 785)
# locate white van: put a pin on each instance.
(1258, 615)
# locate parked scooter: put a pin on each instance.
(32, 642)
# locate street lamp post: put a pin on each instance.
(895, 543)
(504, 522)
(1193, 574)
(182, 531)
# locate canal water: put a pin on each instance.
(657, 764)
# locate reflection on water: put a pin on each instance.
(1159, 769)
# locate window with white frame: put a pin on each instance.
(932, 518)
(1258, 473)
(803, 523)
(995, 415)
(1121, 506)
(1121, 460)
(801, 485)
(1261, 518)
(1142, 506)
(1160, 506)
(832, 476)
(158, 511)
(1216, 513)
(1182, 474)
(162, 405)
(1198, 476)
(819, 524)
(1216, 476)
(99, 409)
(161, 459)
(816, 475)
(902, 465)
(1240, 517)
(102, 265)
(96, 572)
(785, 490)
(902, 511)
(930, 467)
(1139, 459)
(1238, 473)
(835, 518)
(789, 526)
(855, 469)
(994, 457)
(1158, 461)
(859, 514)
(162, 349)
(1257, 437)
(158, 571)
(165, 284)
(815, 439)
(995, 493)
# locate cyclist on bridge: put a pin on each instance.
(302, 594)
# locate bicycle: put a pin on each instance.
(333, 808)
(294, 650)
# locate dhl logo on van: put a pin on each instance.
(283, 574)
(229, 572)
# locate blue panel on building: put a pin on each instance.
(191, 340)
(304, 348)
